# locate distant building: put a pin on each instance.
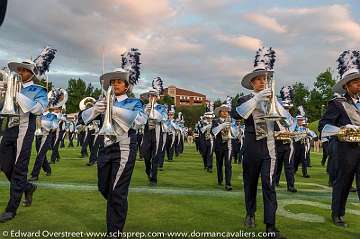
(184, 97)
(181, 97)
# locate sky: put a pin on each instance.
(201, 45)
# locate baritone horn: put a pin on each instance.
(273, 112)
(107, 129)
(13, 86)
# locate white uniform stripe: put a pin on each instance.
(124, 158)
(271, 148)
(291, 151)
(20, 139)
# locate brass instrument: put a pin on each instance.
(107, 129)
(152, 121)
(273, 112)
(349, 135)
(287, 135)
(38, 130)
(226, 133)
(13, 86)
(86, 103)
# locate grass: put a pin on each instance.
(186, 199)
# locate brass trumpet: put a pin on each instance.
(273, 112)
(107, 129)
(13, 86)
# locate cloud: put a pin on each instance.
(242, 41)
(333, 23)
(269, 23)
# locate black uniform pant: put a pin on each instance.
(139, 141)
(236, 150)
(55, 156)
(332, 164)
(208, 153)
(256, 161)
(223, 157)
(348, 156)
(95, 149)
(41, 161)
(71, 139)
(16, 169)
(285, 156)
(62, 142)
(196, 140)
(115, 166)
(80, 138)
(170, 147)
(162, 149)
(88, 142)
(300, 157)
(151, 155)
(177, 144)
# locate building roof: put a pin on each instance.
(180, 91)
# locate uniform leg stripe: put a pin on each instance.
(124, 157)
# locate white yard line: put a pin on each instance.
(281, 193)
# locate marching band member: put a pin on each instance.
(71, 133)
(15, 147)
(62, 96)
(208, 140)
(259, 156)
(299, 147)
(164, 133)
(94, 142)
(49, 123)
(152, 139)
(343, 115)
(170, 139)
(117, 157)
(285, 147)
(223, 132)
(236, 143)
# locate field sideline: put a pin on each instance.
(186, 199)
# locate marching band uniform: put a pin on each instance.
(164, 134)
(236, 143)
(152, 139)
(259, 155)
(15, 147)
(343, 112)
(95, 144)
(208, 146)
(55, 156)
(223, 132)
(170, 139)
(71, 133)
(285, 147)
(117, 157)
(49, 122)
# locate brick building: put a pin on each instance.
(184, 97)
(181, 97)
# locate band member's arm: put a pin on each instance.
(216, 127)
(35, 106)
(127, 119)
(328, 122)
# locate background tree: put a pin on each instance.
(78, 90)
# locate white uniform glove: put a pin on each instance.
(100, 106)
(263, 95)
(351, 126)
(147, 108)
(227, 124)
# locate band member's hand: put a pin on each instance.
(228, 124)
(100, 106)
(147, 108)
(263, 95)
(351, 126)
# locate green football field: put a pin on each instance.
(187, 199)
